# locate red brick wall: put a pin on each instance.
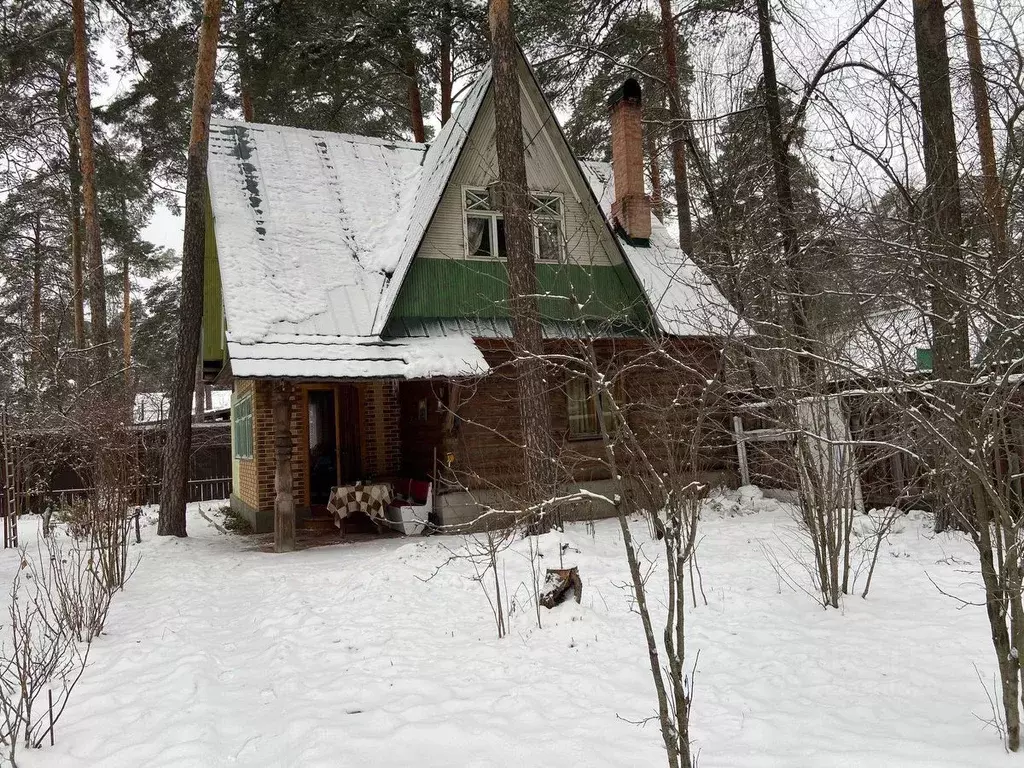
(381, 435)
(256, 475)
(486, 438)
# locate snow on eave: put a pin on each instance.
(885, 341)
(369, 357)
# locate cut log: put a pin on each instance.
(558, 583)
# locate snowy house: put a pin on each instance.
(369, 274)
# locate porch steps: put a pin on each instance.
(317, 524)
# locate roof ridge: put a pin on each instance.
(357, 138)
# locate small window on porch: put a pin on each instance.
(583, 403)
(242, 427)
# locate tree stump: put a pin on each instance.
(558, 583)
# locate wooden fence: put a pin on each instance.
(207, 489)
(62, 479)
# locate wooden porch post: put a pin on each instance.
(284, 503)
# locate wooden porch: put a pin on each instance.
(308, 437)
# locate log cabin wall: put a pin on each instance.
(422, 421)
(487, 434)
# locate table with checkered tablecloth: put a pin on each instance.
(371, 499)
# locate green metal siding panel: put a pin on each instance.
(235, 466)
(463, 288)
(213, 306)
(924, 359)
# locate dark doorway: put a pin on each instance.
(323, 445)
(349, 456)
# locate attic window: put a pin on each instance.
(485, 228)
(546, 213)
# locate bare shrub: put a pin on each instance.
(41, 660)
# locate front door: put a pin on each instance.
(323, 445)
(350, 463)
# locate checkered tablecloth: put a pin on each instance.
(371, 499)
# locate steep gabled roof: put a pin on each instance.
(307, 227)
(304, 224)
(682, 298)
(316, 231)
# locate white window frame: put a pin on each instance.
(538, 217)
(493, 216)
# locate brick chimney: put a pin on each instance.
(631, 210)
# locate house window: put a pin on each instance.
(241, 425)
(583, 400)
(485, 227)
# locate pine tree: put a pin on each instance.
(534, 398)
(90, 216)
(173, 491)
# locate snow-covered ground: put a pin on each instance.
(220, 654)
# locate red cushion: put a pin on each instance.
(419, 490)
(402, 486)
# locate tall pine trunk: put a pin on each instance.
(37, 293)
(90, 217)
(419, 131)
(534, 397)
(173, 492)
(243, 54)
(992, 189)
(126, 321)
(795, 319)
(941, 217)
(654, 164)
(64, 109)
(677, 127)
(447, 63)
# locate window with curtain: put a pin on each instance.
(485, 227)
(583, 411)
(242, 427)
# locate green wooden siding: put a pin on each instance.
(462, 288)
(235, 466)
(213, 305)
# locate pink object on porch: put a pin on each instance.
(409, 511)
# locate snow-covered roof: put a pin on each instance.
(887, 342)
(305, 226)
(152, 407)
(438, 165)
(684, 300)
(315, 232)
(364, 357)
